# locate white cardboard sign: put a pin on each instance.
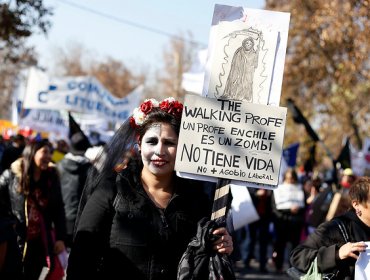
(242, 63)
(266, 23)
(229, 139)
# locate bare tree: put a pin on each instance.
(327, 66)
(177, 59)
(18, 20)
(113, 74)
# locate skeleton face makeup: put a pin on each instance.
(158, 149)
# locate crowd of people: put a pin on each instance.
(63, 214)
(289, 215)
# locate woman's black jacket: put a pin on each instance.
(122, 234)
(325, 243)
(14, 201)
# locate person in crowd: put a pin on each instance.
(73, 170)
(318, 209)
(140, 217)
(61, 149)
(13, 151)
(31, 191)
(288, 208)
(259, 230)
(312, 187)
(341, 201)
(347, 179)
(327, 242)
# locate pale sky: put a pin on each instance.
(107, 28)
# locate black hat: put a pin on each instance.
(79, 142)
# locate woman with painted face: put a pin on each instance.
(140, 217)
(30, 193)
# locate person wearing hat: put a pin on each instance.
(61, 149)
(341, 201)
(348, 177)
(73, 169)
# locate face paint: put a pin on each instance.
(158, 149)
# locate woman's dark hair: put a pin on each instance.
(28, 165)
(158, 116)
(360, 190)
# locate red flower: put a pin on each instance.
(164, 105)
(146, 107)
(172, 107)
(177, 109)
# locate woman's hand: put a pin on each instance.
(349, 249)
(59, 247)
(294, 209)
(224, 244)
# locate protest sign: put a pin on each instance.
(362, 268)
(288, 195)
(242, 63)
(242, 207)
(231, 139)
(256, 76)
(263, 22)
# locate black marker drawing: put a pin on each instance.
(243, 71)
(239, 84)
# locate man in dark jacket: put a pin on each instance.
(12, 152)
(73, 169)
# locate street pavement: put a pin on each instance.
(252, 272)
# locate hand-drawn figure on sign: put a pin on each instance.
(239, 84)
(242, 65)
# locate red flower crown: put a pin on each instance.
(168, 105)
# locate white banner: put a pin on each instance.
(44, 120)
(38, 120)
(79, 94)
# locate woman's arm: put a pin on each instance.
(323, 243)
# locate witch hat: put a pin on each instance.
(79, 142)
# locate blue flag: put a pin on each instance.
(290, 154)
